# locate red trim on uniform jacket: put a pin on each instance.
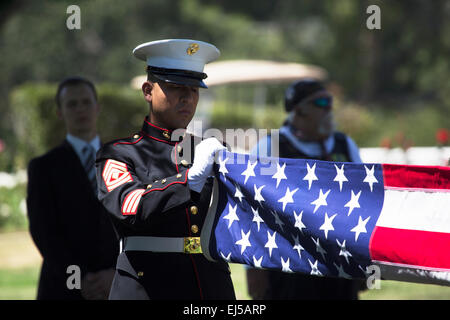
(159, 189)
(155, 126)
(197, 277)
(176, 160)
(129, 142)
(160, 140)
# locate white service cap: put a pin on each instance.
(177, 60)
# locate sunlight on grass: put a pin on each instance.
(239, 281)
(396, 290)
(19, 284)
(390, 290)
(19, 276)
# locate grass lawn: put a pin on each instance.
(389, 290)
(20, 263)
(396, 290)
(18, 284)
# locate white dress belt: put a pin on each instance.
(162, 244)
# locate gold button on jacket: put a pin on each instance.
(194, 228)
(194, 210)
(184, 163)
(166, 134)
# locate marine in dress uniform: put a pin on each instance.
(157, 205)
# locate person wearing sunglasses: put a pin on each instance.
(309, 132)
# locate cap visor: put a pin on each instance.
(185, 81)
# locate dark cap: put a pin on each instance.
(299, 91)
(177, 76)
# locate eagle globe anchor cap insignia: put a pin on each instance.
(193, 48)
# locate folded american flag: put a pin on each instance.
(331, 218)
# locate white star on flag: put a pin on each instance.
(231, 216)
(353, 203)
(360, 227)
(314, 269)
(288, 197)
(250, 171)
(370, 177)
(257, 263)
(279, 175)
(285, 265)
(238, 193)
(319, 248)
(223, 168)
(256, 217)
(327, 225)
(366, 271)
(297, 246)
(311, 175)
(341, 271)
(271, 242)
(226, 258)
(277, 220)
(321, 200)
(298, 221)
(340, 177)
(244, 242)
(258, 195)
(344, 252)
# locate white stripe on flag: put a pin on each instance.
(415, 210)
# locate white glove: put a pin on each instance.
(205, 153)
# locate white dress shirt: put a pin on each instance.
(78, 144)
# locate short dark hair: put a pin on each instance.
(73, 81)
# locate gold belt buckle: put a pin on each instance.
(192, 245)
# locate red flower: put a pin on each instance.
(442, 136)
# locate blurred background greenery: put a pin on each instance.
(392, 86)
(398, 76)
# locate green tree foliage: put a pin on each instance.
(13, 208)
(409, 55)
(37, 127)
(398, 76)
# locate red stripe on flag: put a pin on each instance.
(411, 247)
(422, 177)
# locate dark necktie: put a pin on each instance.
(88, 154)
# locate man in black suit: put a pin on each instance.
(68, 224)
